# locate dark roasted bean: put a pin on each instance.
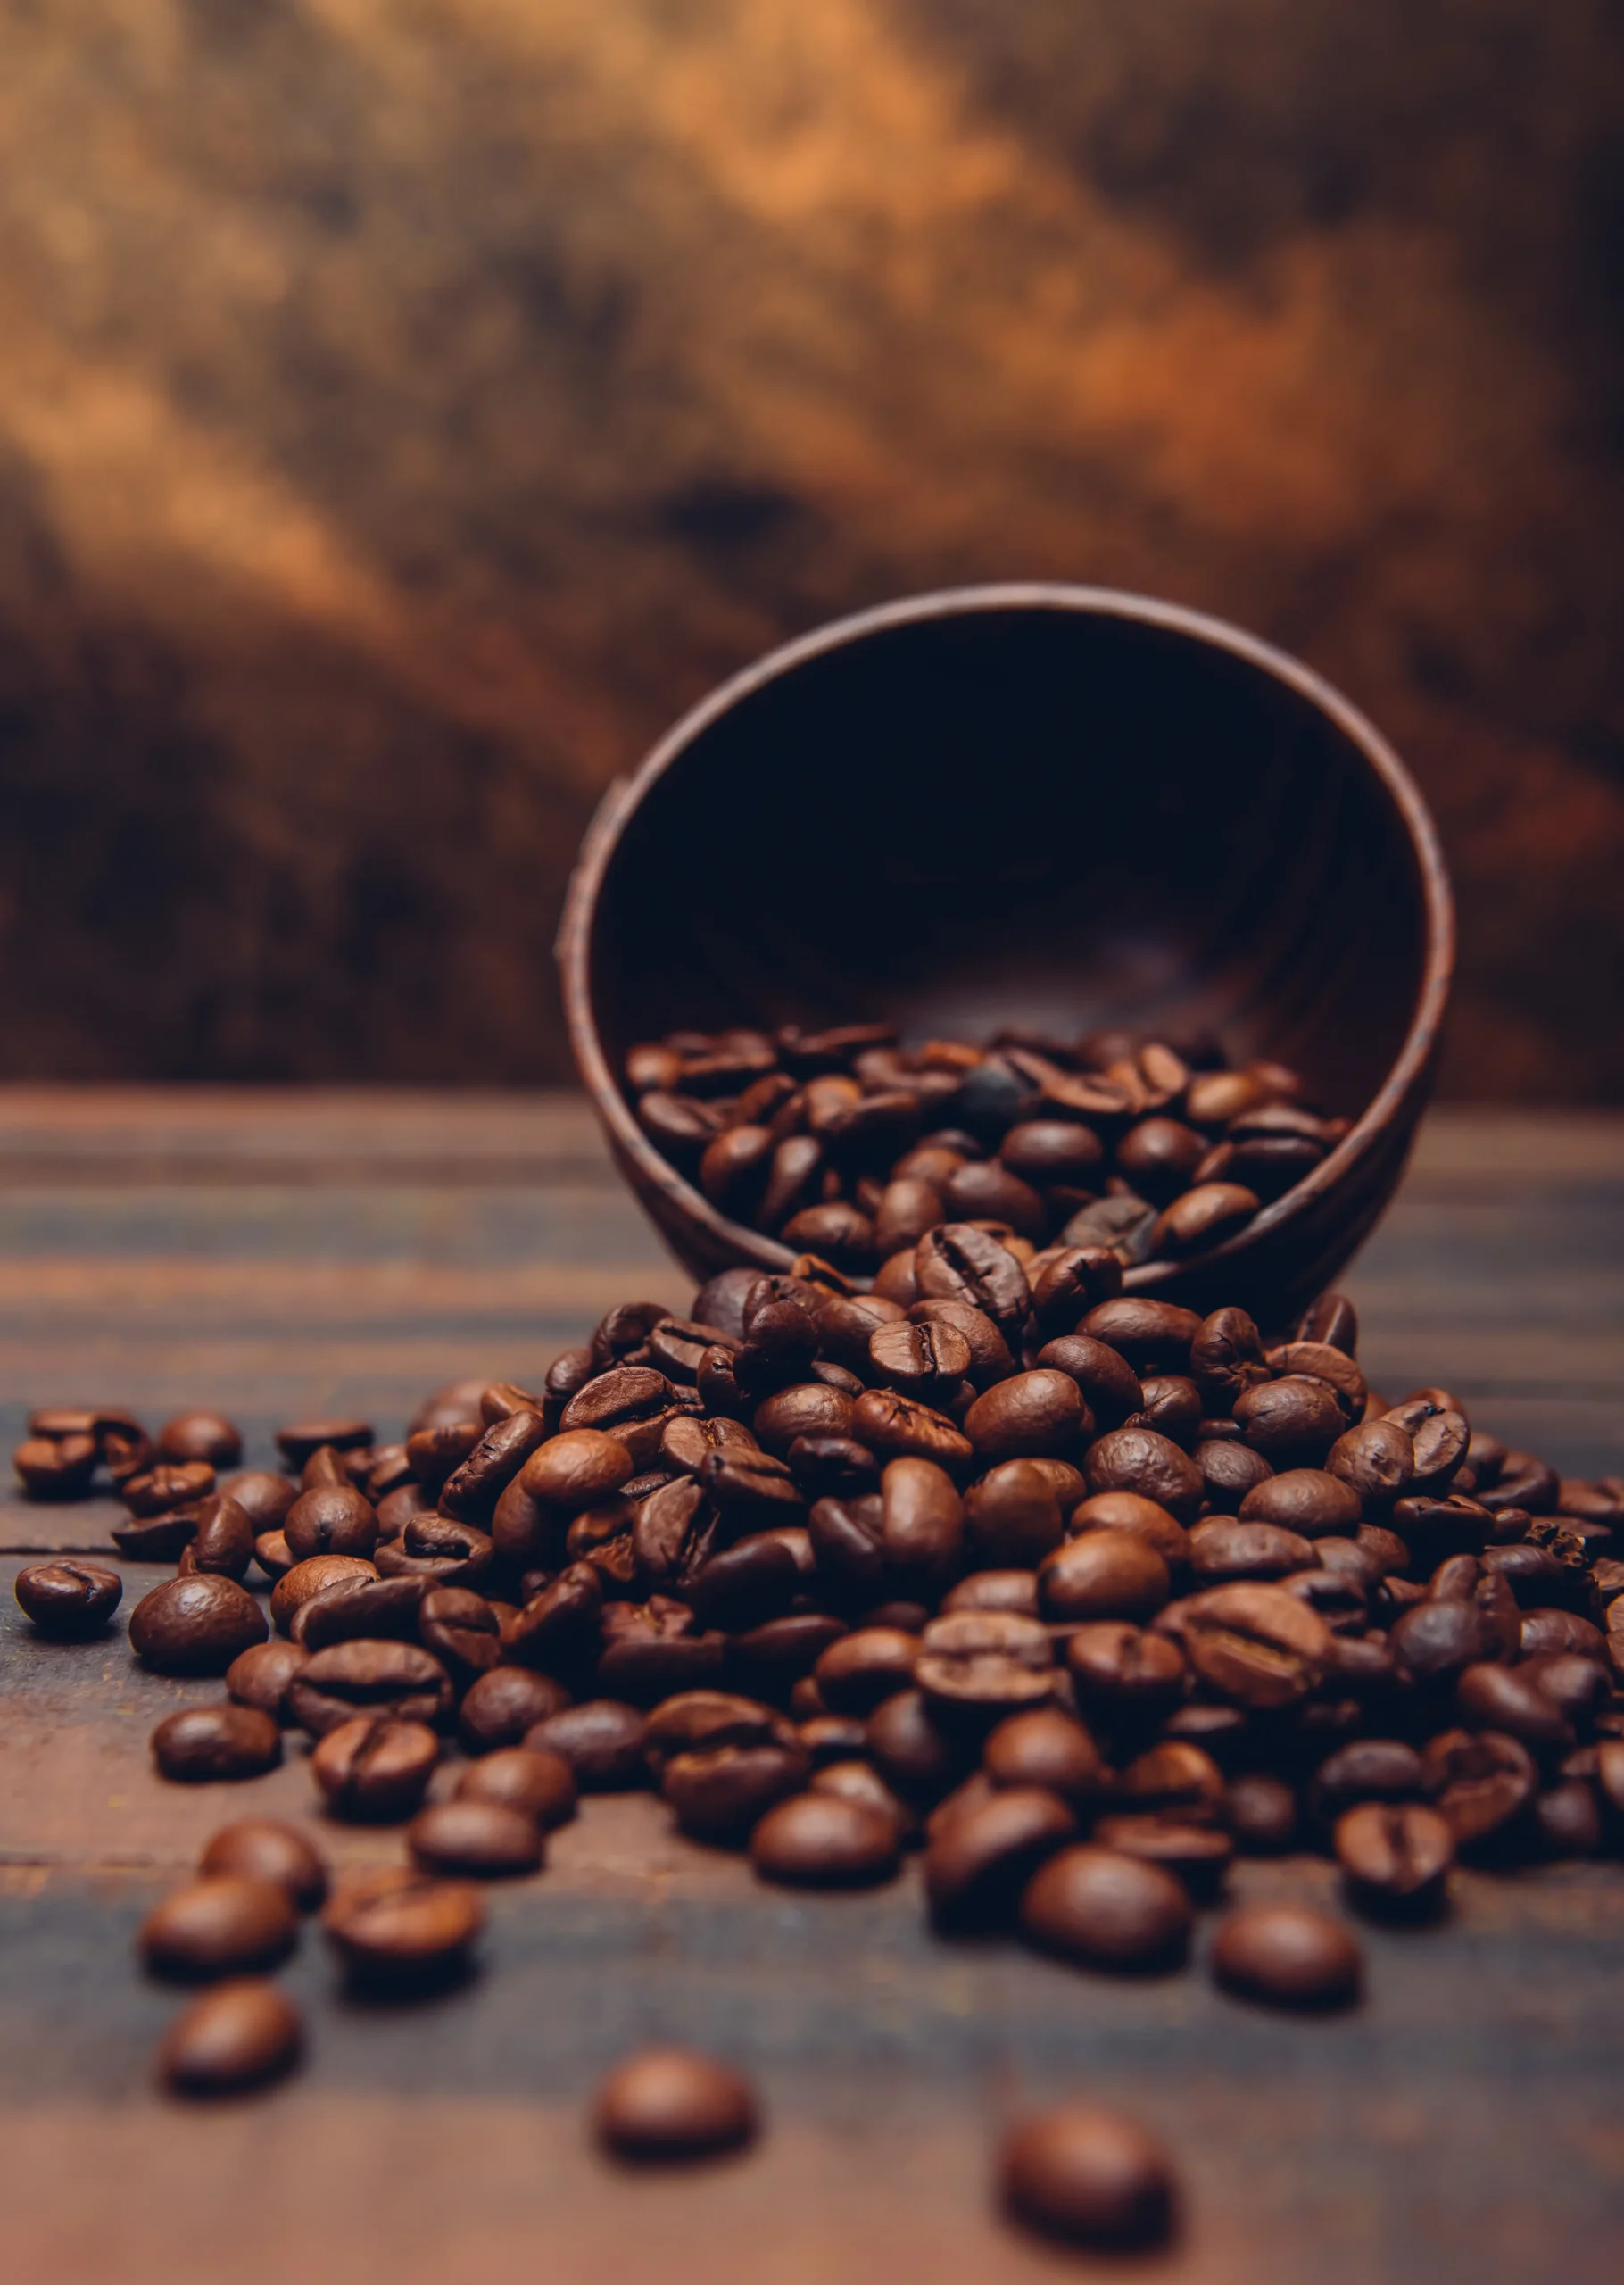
(1086, 2177)
(824, 1840)
(396, 1927)
(982, 1853)
(205, 1742)
(1106, 1910)
(240, 2034)
(602, 1741)
(195, 1626)
(67, 1600)
(264, 1849)
(259, 1676)
(1395, 1856)
(375, 1769)
(1288, 1956)
(223, 1923)
(532, 1779)
(669, 2104)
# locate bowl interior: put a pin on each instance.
(1057, 817)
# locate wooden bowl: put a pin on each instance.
(1048, 805)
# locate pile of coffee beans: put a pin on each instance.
(1074, 1594)
(845, 1144)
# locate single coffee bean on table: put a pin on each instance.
(670, 2104)
(67, 1599)
(221, 1924)
(268, 1848)
(1088, 2177)
(243, 2033)
(1288, 1956)
(204, 1744)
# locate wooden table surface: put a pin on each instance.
(278, 1254)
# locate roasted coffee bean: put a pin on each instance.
(805, 1409)
(264, 1849)
(460, 1629)
(1229, 1472)
(824, 1840)
(1262, 1814)
(472, 1491)
(743, 1585)
(333, 1519)
(302, 1583)
(556, 1625)
(1153, 1336)
(982, 1664)
(957, 1262)
(1568, 1820)
(922, 1359)
(358, 1608)
(397, 1927)
(1198, 1856)
(1171, 1406)
(221, 1925)
(1322, 1360)
(1175, 1775)
(1204, 1216)
(169, 1485)
(1288, 1956)
(1136, 1460)
(486, 1840)
(602, 1740)
(374, 1768)
(1046, 1748)
(1580, 1686)
(895, 1426)
(1548, 1633)
(1106, 1910)
(915, 1753)
(205, 1742)
(980, 1855)
(830, 1738)
(1303, 1499)
(1086, 2177)
(1366, 1769)
(832, 1467)
(1377, 1460)
(1103, 1575)
(1014, 1514)
(752, 1488)
(243, 2033)
(260, 1675)
(52, 1468)
(195, 1626)
(1435, 1643)
(668, 2105)
(222, 1539)
(401, 1679)
(1395, 1856)
(1256, 1646)
(860, 1669)
(629, 1402)
(1509, 1699)
(207, 1436)
(767, 1661)
(1014, 1591)
(437, 1548)
(720, 1793)
(1223, 1548)
(1122, 1674)
(1030, 1413)
(1294, 1422)
(1480, 1784)
(576, 1469)
(1131, 1511)
(263, 1496)
(67, 1599)
(539, 1783)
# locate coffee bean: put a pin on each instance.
(487, 1840)
(1481, 1785)
(1305, 1499)
(1103, 1575)
(982, 1851)
(260, 1675)
(222, 1540)
(957, 1262)
(52, 1468)
(358, 1608)
(1038, 1412)
(1511, 1699)
(539, 1783)
(1254, 1645)
(1014, 1514)
(67, 1600)
(1013, 1591)
(1367, 1769)
(1294, 1422)
(1131, 1511)
(1395, 1856)
(824, 1839)
(374, 1769)
(297, 1442)
(396, 1928)
(602, 1740)
(195, 1626)
(205, 1742)
(264, 1849)
(895, 1426)
(303, 1581)
(721, 1792)
(984, 1663)
(396, 1678)
(1206, 1215)
(914, 1752)
(1153, 1336)
(1263, 1814)
(201, 1436)
(1223, 1548)
(169, 1484)
(1122, 1674)
(1137, 1459)
(1106, 1910)
(1046, 1748)
(1197, 1855)
(668, 2105)
(1088, 2177)
(243, 2033)
(860, 1669)
(1288, 1956)
(1377, 1460)
(1176, 1775)
(223, 1923)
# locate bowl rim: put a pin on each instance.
(625, 794)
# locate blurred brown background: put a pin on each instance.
(407, 406)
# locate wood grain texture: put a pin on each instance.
(404, 415)
(280, 1252)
